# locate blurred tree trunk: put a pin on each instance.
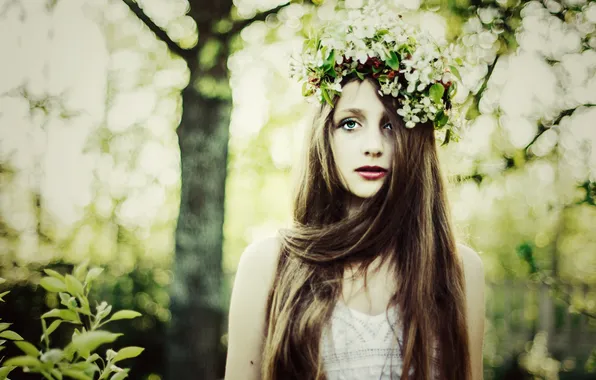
(194, 348)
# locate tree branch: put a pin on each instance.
(543, 128)
(159, 32)
(239, 25)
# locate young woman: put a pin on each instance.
(369, 283)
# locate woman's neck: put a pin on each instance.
(353, 205)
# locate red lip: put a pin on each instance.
(371, 169)
(372, 172)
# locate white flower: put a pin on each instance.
(361, 56)
(352, 36)
(405, 110)
(318, 60)
(412, 76)
(336, 85)
(353, 15)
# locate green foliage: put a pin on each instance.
(590, 196)
(436, 92)
(526, 252)
(79, 359)
(591, 362)
(393, 60)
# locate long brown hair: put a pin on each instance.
(407, 223)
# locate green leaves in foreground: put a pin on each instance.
(79, 359)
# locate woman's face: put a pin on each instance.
(362, 139)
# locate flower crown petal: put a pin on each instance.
(374, 41)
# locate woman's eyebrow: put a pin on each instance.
(362, 114)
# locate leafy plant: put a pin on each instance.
(525, 251)
(79, 359)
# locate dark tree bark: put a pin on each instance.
(194, 348)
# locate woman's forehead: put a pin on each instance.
(360, 97)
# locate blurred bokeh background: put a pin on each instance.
(157, 139)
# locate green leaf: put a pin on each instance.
(405, 48)
(56, 373)
(447, 137)
(393, 61)
(52, 284)
(125, 314)
(27, 348)
(360, 75)
(2, 280)
(329, 63)
(81, 269)
(10, 335)
(54, 274)
(87, 367)
(4, 371)
(455, 72)
(120, 375)
(377, 70)
(84, 309)
(327, 99)
(526, 252)
(438, 116)
(3, 294)
(69, 351)
(87, 342)
(92, 358)
(54, 356)
(436, 92)
(67, 315)
(452, 90)
(4, 326)
(93, 274)
(51, 329)
(74, 286)
(64, 298)
(23, 361)
(74, 374)
(127, 353)
(305, 91)
(442, 120)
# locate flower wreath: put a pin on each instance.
(408, 63)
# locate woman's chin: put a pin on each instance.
(367, 191)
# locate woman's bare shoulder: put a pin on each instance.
(470, 258)
(261, 255)
(246, 334)
(257, 266)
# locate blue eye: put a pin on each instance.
(388, 124)
(344, 123)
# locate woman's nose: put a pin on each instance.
(372, 144)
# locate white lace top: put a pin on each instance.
(358, 346)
